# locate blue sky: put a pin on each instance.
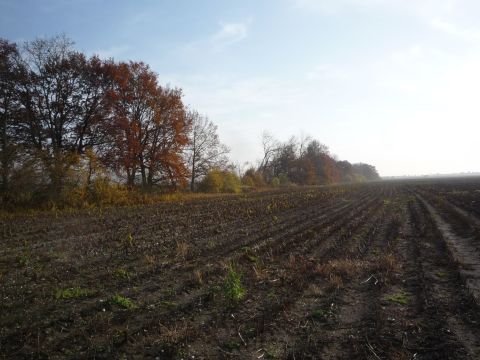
(394, 83)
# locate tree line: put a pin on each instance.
(74, 126)
(304, 161)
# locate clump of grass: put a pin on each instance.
(339, 270)
(123, 273)
(72, 293)
(168, 304)
(335, 281)
(250, 255)
(402, 298)
(260, 272)
(442, 274)
(24, 260)
(123, 302)
(387, 263)
(232, 344)
(198, 277)
(129, 241)
(150, 260)
(182, 249)
(320, 314)
(211, 244)
(315, 290)
(271, 354)
(232, 287)
(175, 334)
(345, 268)
(272, 295)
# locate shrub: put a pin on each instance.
(217, 181)
(231, 183)
(103, 192)
(213, 182)
(248, 180)
(284, 180)
(253, 178)
(275, 182)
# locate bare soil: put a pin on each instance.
(387, 270)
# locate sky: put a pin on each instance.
(393, 83)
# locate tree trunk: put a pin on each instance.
(5, 160)
(144, 175)
(192, 181)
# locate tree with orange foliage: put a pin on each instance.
(148, 127)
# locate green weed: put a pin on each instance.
(271, 354)
(123, 273)
(168, 304)
(320, 314)
(402, 298)
(232, 344)
(123, 302)
(24, 260)
(129, 241)
(210, 244)
(249, 255)
(442, 274)
(232, 287)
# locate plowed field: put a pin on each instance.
(388, 270)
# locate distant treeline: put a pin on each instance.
(305, 161)
(79, 130)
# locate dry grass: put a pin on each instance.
(198, 277)
(339, 270)
(260, 272)
(299, 262)
(345, 268)
(315, 290)
(182, 249)
(174, 333)
(292, 262)
(335, 281)
(388, 264)
(150, 260)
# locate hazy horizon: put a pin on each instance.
(389, 83)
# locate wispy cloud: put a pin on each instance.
(467, 34)
(230, 33)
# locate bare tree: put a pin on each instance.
(303, 142)
(270, 148)
(205, 150)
